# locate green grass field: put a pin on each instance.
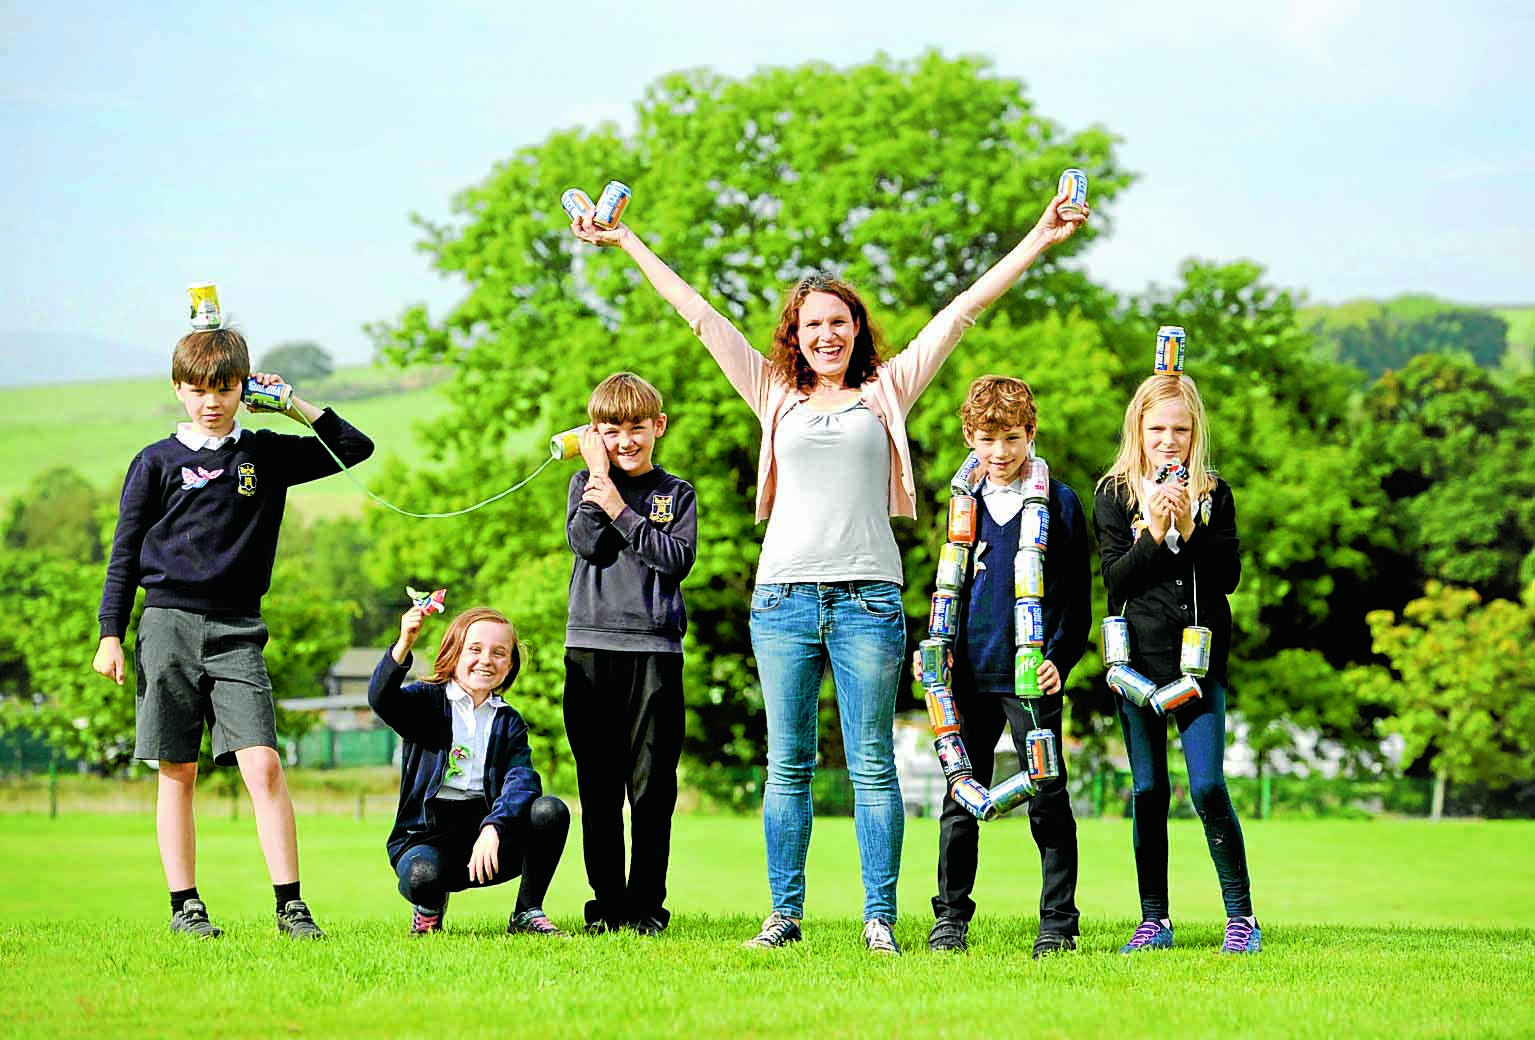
(1374, 928)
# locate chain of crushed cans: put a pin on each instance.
(1040, 748)
(1194, 654)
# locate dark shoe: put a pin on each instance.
(600, 927)
(1053, 942)
(1151, 935)
(1242, 937)
(777, 931)
(296, 922)
(648, 925)
(879, 938)
(535, 922)
(424, 922)
(949, 934)
(192, 919)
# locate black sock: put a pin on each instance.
(285, 893)
(179, 899)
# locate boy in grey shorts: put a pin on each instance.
(197, 528)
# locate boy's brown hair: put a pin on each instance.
(458, 632)
(211, 358)
(623, 397)
(998, 403)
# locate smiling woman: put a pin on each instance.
(833, 467)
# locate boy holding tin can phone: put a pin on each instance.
(1023, 615)
(197, 528)
(1167, 537)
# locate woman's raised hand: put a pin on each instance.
(587, 231)
(1056, 226)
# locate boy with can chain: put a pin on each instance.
(197, 527)
(1018, 637)
(1167, 537)
(633, 528)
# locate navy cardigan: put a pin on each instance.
(421, 715)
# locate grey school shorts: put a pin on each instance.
(194, 669)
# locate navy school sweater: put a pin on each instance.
(197, 528)
(985, 648)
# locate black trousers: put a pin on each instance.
(624, 717)
(982, 716)
(436, 863)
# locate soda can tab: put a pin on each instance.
(1073, 183)
(1034, 529)
(205, 307)
(953, 561)
(1171, 471)
(567, 444)
(1171, 344)
(1043, 754)
(269, 398)
(966, 478)
(952, 757)
(963, 519)
(1036, 480)
(1116, 640)
(1175, 694)
(969, 793)
(1194, 656)
(1012, 792)
(1131, 685)
(1029, 574)
(575, 202)
(1026, 664)
(943, 623)
(1029, 622)
(934, 656)
(942, 714)
(611, 205)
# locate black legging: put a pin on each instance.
(437, 862)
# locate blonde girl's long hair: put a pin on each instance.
(1124, 477)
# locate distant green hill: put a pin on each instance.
(1378, 335)
(97, 428)
(1521, 337)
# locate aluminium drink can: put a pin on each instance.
(575, 202)
(1194, 656)
(934, 656)
(1013, 792)
(566, 444)
(1116, 640)
(1029, 622)
(273, 397)
(943, 623)
(205, 314)
(952, 757)
(1175, 694)
(1026, 663)
(1029, 574)
(1131, 685)
(963, 519)
(942, 714)
(973, 796)
(1034, 526)
(1043, 754)
(1036, 480)
(953, 561)
(964, 479)
(611, 205)
(1172, 341)
(1073, 184)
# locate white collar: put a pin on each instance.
(1015, 488)
(188, 434)
(458, 694)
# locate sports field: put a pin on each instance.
(1371, 928)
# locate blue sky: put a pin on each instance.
(1356, 149)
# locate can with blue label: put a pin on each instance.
(1012, 792)
(1073, 184)
(973, 796)
(1172, 341)
(1034, 526)
(271, 397)
(1116, 640)
(953, 561)
(943, 623)
(964, 480)
(1131, 685)
(1029, 622)
(1029, 574)
(934, 656)
(1042, 754)
(1175, 694)
(576, 202)
(611, 205)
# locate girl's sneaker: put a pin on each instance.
(426, 922)
(1151, 935)
(1242, 936)
(192, 919)
(535, 922)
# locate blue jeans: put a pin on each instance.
(859, 629)
(1202, 726)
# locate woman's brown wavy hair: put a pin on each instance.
(789, 364)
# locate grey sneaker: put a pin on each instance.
(296, 922)
(192, 919)
(777, 931)
(949, 933)
(878, 937)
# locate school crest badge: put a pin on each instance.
(661, 509)
(247, 472)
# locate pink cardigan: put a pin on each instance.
(896, 385)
